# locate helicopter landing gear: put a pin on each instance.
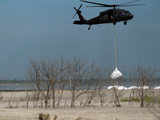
(89, 27)
(114, 23)
(125, 22)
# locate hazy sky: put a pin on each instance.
(43, 29)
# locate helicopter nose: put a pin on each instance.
(131, 16)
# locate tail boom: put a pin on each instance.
(80, 22)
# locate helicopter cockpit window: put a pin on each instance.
(122, 13)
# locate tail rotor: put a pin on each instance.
(77, 10)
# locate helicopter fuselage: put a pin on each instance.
(107, 16)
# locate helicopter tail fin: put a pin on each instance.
(79, 14)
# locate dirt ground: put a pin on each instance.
(128, 111)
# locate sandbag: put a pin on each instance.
(116, 74)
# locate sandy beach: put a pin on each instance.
(105, 113)
(127, 111)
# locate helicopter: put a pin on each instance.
(113, 15)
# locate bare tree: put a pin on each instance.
(98, 77)
(76, 75)
(145, 77)
(49, 72)
(35, 75)
(52, 77)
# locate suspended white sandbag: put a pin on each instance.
(116, 74)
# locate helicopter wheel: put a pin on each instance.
(114, 23)
(125, 22)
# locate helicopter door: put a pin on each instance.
(110, 15)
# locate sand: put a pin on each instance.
(128, 111)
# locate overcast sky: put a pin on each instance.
(43, 29)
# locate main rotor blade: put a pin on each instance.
(121, 5)
(96, 3)
(74, 14)
(95, 6)
(130, 2)
(80, 6)
(77, 10)
(113, 5)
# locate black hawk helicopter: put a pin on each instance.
(113, 15)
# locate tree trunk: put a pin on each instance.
(46, 99)
(53, 98)
(142, 98)
(73, 99)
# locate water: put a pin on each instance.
(11, 85)
(16, 86)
